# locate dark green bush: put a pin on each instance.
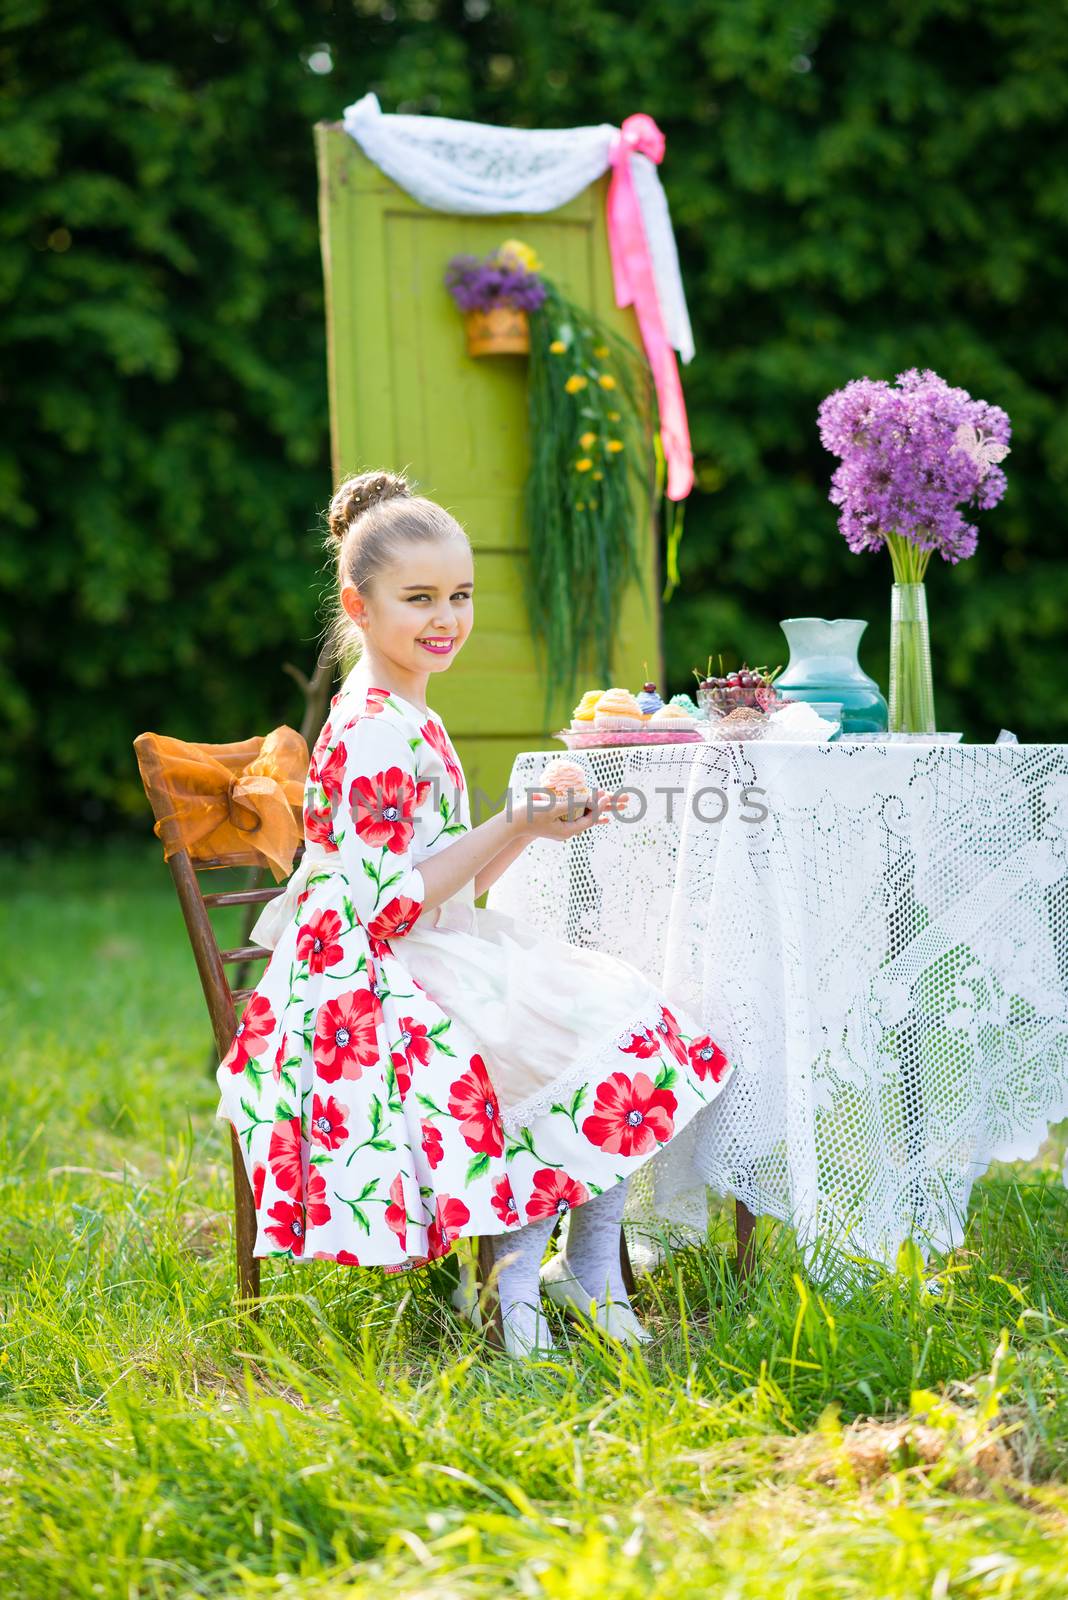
(856, 189)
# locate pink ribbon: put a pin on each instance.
(632, 271)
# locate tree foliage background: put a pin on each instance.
(856, 190)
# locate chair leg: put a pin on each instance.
(744, 1224)
(489, 1299)
(248, 1266)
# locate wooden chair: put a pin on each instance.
(222, 1003)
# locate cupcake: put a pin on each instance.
(684, 703)
(566, 779)
(617, 710)
(648, 699)
(671, 718)
(582, 716)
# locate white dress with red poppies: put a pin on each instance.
(402, 1078)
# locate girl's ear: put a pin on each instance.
(352, 604)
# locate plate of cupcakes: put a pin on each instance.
(615, 716)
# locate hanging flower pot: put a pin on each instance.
(502, 331)
(495, 293)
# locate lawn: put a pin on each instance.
(153, 1444)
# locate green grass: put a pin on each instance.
(358, 1438)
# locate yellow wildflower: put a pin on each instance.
(615, 445)
(606, 381)
(583, 464)
(523, 253)
(580, 505)
(613, 416)
(588, 441)
(601, 351)
(557, 347)
(597, 476)
(575, 383)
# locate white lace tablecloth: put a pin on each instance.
(877, 935)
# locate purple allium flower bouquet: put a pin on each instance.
(914, 456)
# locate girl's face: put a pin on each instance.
(420, 610)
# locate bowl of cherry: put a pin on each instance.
(751, 687)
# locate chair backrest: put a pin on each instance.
(211, 960)
(158, 760)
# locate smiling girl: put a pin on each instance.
(412, 1069)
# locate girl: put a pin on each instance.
(412, 1069)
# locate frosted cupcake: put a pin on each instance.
(617, 711)
(648, 699)
(671, 719)
(567, 780)
(582, 716)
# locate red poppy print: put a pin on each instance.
(259, 1178)
(503, 1202)
(279, 1058)
(286, 1227)
(382, 809)
(438, 740)
(642, 1044)
(474, 1105)
(345, 1258)
(707, 1059)
(555, 1194)
(394, 919)
(401, 1073)
(345, 1035)
(631, 1116)
(317, 941)
(433, 1145)
(319, 750)
(253, 1031)
(317, 1210)
(284, 1156)
(328, 1126)
(376, 700)
(319, 826)
(668, 1029)
(449, 1217)
(416, 1042)
(396, 1212)
(332, 772)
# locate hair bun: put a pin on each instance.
(356, 495)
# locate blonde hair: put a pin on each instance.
(369, 521)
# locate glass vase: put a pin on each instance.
(824, 669)
(911, 686)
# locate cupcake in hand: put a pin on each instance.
(567, 780)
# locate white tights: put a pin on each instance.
(591, 1253)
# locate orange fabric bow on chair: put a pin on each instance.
(241, 802)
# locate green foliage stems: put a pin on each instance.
(581, 526)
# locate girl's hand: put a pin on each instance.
(551, 817)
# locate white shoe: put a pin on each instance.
(615, 1318)
(464, 1300)
(540, 1349)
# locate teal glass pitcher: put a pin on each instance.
(824, 668)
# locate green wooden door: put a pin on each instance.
(404, 394)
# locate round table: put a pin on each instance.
(875, 933)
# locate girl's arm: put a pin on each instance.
(501, 861)
(487, 850)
